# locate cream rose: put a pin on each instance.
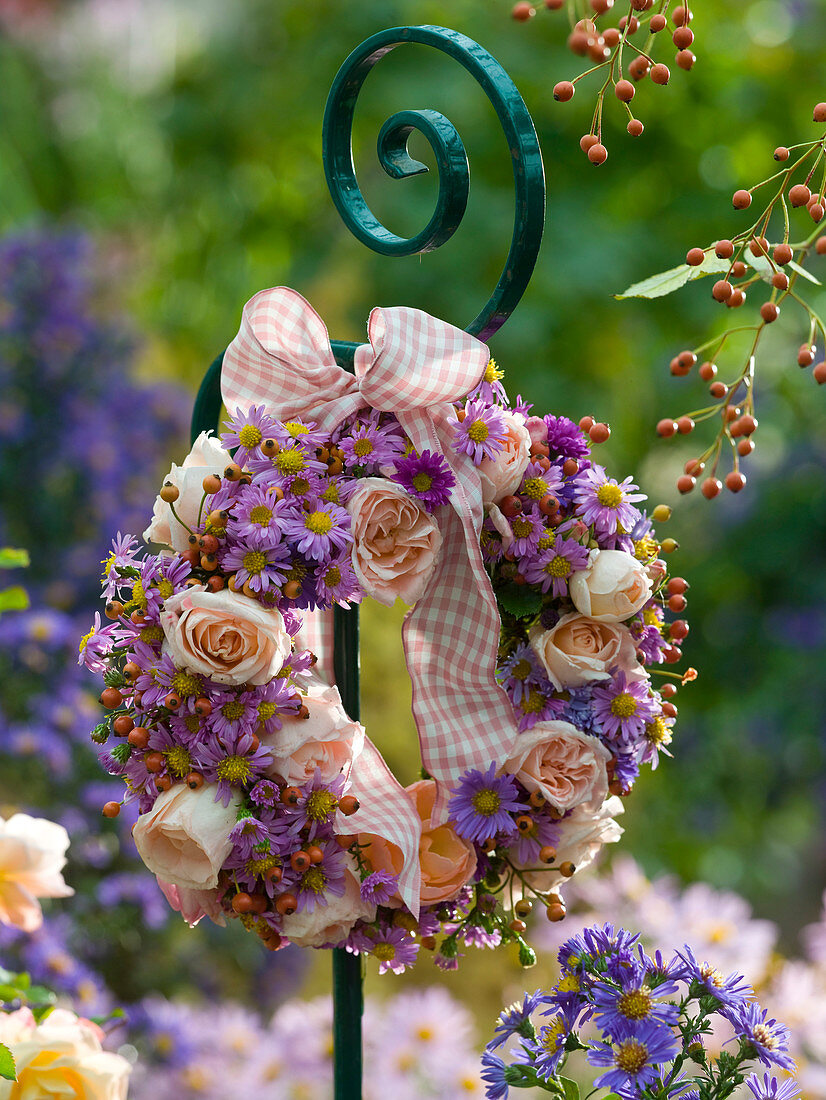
(226, 636)
(447, 860)
(611, 588)
(565, 765)
(184, 838)
(194, 905)
(59, 1058)
(502, 474)
(579, 650)
(206, 457)
(581, 836)
(32, 856)
(330, 923)
(328, 740)
(396, 541)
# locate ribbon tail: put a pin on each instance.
(451, 640)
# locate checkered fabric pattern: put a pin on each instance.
(415, 365)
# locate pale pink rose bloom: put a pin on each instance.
(447, 860)
(62, 1056)
(581, 836)
(328, 740)
(396, 541)
(579, 650)
(502, 475)
(565, 765)
(537, 428)
(226, 636)
(611, 588)
(206, 457)
(502, 525)
(184, 838)
(330, 923)
(32, 857)
(194, 905)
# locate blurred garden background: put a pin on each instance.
(160, 161)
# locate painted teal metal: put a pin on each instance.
(454, 185)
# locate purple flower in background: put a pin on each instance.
(494, 1075)
(515, 1020)
(605, 503)
(247, 431)
(393, 946)
(427, 477)
(480, 433)
(482, 804)
(769, 1088)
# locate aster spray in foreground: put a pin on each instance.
(650, 1028)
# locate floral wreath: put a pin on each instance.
(538, 606)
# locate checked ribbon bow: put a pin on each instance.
(414, 366)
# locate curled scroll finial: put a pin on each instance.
(451, 160)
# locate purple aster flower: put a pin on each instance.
(265, 793)
(368, 444)
(548, 1049)
(427, 477)
(490, 389)
(319, 532)
(623, 707)
(540, 480)
(630, 1003)
(336, 582)
(526, 846)
(236, 762)
(515, 1020)
(122, 556)
(626, 769)
(317, 804)
(768, 1039)
(578, 710)
(602, 940)
(247, 833)
(494, 1075)
(257, 512)
(730, 992)
(554, 566)
(476, 936)
(769, 1088)
(480, 433)
(604, 503)
(247, 431)
(447, 962)
(232, 712)
(649, 642)
(519, 672)
(538, 705)
(95, 646)
(482, 803)
(393, 946)
(528, 528)
(296, 461)
(379, 887)
(565, 438)
(632, 1058)
(260, 565)
(658, 734)
(312, 886)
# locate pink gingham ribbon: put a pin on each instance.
(415, 366)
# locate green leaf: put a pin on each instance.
(7, 1068)
(519, 600)
(802, 271)
(13, 559)
(570, 1088)
(657, 286)
(14, 599)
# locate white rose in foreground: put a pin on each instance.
(226, 636)
(566, 766)
(396, 542)
(611, 588)
(32, 857)
(502, 475)
(579, 650)
(330, 923)
(581, 835)
(329, 740)
(184, 839)
(60, 1059)
(206, 457)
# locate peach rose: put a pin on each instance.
(194, 905)
(581, 836)
(32, 856)
(579, 650)
(447, 860)
(328, 740)
(184, 838)
(502, 474)
(611, 588)
(226, 636)
(206, 457)
(330, 923)
(565, 765)
(59, 1058)
(396, 541)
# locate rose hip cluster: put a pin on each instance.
(616, 55)
(753, 257)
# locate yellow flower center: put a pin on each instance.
(333, 576)
(300, 487)
(362, 448)
(151, 634)
(295, 429)
(314, 879)
(178, 761)
(254, 561)
(534, 703)
(330, 494)
(84, 641)
(635, 1004)
(262, 515)
(486, 802)
(478, 431)
(711, 975)
(320, 804)
(260, 866)
(557, 567)
(646, 548)
(233, 710)
(192, 722)
(657, 732)
(250, 436)
(630, 1055)
(186, 684)
(568, 984)
(166, 588)
(535, 488)
(384, 952)
(764, 1036)
(624, 705)
(610, 496)
(289, 462)
(522, 669)
(553, 1033)
(492, 372)
(422, 482)
(234, 769)
(649, 617)
(139, 595)
(522, 527)
(425, 1034)
(266, 711)
(318, 522)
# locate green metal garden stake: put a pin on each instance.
(454, 186)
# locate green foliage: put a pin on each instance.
(657, 286)
(7, 1066)
(15, 597)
